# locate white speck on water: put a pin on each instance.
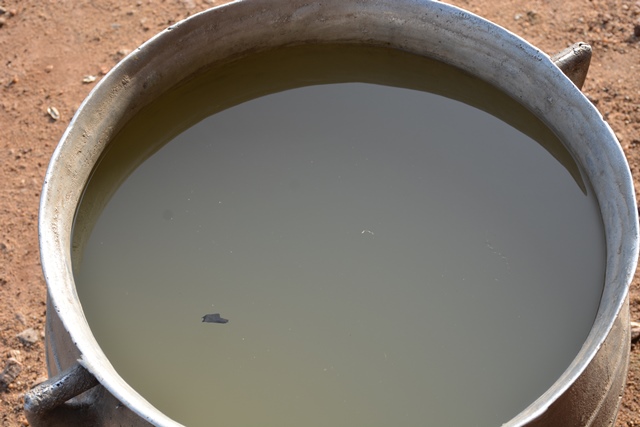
(496, 252)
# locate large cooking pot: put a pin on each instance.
(84, 388)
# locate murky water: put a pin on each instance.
(384, 256)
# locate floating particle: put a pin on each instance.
(214, 318)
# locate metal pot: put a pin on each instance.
(86, 390)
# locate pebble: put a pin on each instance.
(20, 318)
(636, 30)
(13, 81)
(15, 354)
(28, 336)
(189, 4)
(533, 17)
(11, 371)
(89, 79)
(635, 331)
(53, 113)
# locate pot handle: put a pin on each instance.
(46, 405)
(574, 62)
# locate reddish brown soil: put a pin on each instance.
(47, 48)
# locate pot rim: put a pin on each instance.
(421, 27)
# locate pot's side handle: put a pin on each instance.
(47, 404)
(574, 62)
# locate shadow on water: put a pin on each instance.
(259, 74)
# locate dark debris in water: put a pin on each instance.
(214, 318)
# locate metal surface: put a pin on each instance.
(48, 400)
(574, 62)
(587, 393)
